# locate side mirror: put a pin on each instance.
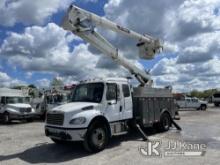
(112, 102)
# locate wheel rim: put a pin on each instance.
(6, 118)
(98, 137)
(166, 123)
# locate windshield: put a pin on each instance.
(217, 95)
(56, 99)
(91, 92)
(13, 100)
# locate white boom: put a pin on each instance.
(82, 23)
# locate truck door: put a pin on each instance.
(2, 104)
(127, 111)
(188, 103)
(195, 103)
(113, 102)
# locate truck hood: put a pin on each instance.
(19, 105)
(72, 107)
(203, 102)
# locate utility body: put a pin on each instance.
(102, 108)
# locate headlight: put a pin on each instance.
(78, 121)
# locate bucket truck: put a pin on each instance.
(102, 108)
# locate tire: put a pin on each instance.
(216, 104)
(97, 137)
(29, 120)
(203, 107)
(43, 116)
(6, 118)
(165, 122)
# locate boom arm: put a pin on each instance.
(83, 23)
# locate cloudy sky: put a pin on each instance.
(34, 49)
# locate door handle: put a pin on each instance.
(120, 108)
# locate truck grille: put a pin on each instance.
(25, 110)
(55, 119)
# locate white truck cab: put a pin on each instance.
(107, 100)
(14, 105)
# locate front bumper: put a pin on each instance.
(67, 134)
(22, 116)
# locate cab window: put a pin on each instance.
(111, 91)
(195, 100)
(188, 100)
(126, 90)
(2, 100)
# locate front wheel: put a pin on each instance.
(96, 138)
(6, 117)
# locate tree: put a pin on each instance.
(202, 94)
(19, 87)
(56, 83)
(32, 86)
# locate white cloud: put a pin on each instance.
(185, 77)
(43, 83)
(200, 48)
(50, 53)
(29, 12)
(7, 81)
(189, 29)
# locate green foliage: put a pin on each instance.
(32, 86)
(56, 83)
(19, 87)
(202, 94)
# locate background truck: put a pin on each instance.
(14, 105)
(48, 100)
(184, 102)
(102, 108)
(216, 99)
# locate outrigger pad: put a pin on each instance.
(144, 136)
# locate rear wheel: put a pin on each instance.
(165, 122)
(216, 104)
(6, 117)
(203, 107)
(96, 138)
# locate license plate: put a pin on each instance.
(55, 133)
